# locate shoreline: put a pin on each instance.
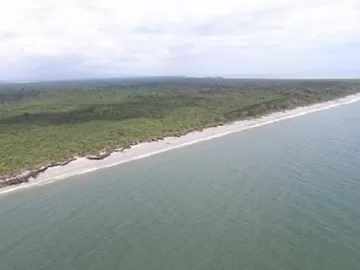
(81, 165)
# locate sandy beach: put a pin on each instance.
(83, 165)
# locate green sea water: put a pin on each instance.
(281, 196)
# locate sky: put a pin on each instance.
(75, 39)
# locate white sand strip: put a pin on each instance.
(143, 150)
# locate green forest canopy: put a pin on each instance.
(54, 121)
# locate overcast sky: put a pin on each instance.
(62, 39)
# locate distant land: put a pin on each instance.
(46, 124)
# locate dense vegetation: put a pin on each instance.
(43, 122)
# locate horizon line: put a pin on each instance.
(181, 76)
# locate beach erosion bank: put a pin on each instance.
(82, 165)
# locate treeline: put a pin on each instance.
(10, 92)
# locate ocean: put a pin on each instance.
(280, 196)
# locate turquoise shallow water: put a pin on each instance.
(282, 196)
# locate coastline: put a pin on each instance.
(81, 165)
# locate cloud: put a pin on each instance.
(88, 38)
